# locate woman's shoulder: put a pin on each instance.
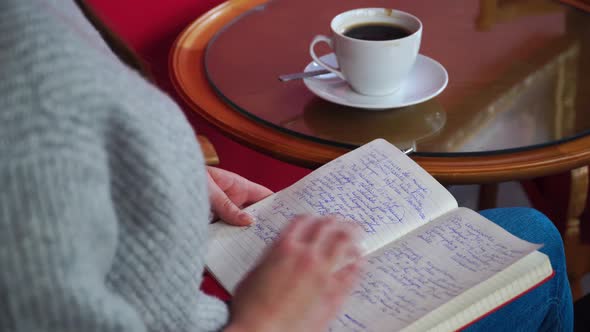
(59, 82)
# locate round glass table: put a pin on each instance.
(517, 104)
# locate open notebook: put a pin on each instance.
(430, 264)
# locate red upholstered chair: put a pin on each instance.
(149, 28)
(98, 16)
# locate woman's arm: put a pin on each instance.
(58, 235)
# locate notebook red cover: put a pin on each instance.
(509, 301)
(212, 287)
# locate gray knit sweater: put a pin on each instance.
(103, 203)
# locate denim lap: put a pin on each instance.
(548, 307)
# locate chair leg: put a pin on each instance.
(488, 196)
(577, 252)
(564, 199)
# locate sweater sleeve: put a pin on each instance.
(58, 236)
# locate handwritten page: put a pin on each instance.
(376, 186)
(428, 267)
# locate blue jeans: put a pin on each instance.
(548, 307)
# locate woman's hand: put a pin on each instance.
(229, 192)
(295, 288)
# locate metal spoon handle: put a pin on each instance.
(295, 76)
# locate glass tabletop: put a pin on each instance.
(519, 75)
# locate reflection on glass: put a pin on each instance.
(497, 11)
(533, 105)
(403, 127)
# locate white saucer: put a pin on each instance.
(427, 79)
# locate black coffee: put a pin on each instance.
(376, 31)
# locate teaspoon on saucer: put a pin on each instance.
(296, 76)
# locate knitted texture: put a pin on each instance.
(103, 201)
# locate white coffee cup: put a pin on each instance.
(374, 68)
